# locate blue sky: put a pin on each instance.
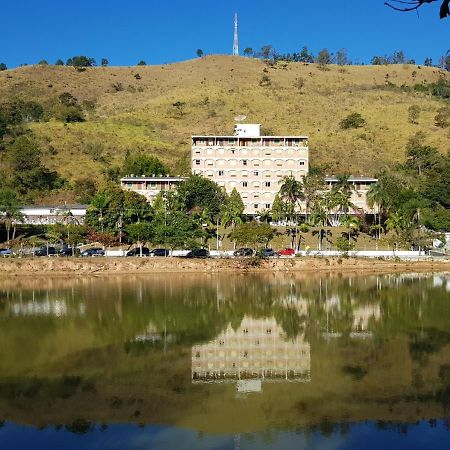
(171, 30)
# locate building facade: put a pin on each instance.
(251, 163)
(50, 215)
(150, 187)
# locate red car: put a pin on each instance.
(287, 252)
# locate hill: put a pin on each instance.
(157, 108)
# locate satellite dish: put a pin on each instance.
(240, 118)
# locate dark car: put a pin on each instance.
(93, 252)
(137, 252)
(268, 253)
(69, 251)
(159, 252)
(46, 251)
(6, 252)
(244, 251)
(198, 253)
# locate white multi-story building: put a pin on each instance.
(251, 163)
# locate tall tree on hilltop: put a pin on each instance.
(414, 5)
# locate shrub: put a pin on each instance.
(442, 118)
(353, 120)
(265, 81)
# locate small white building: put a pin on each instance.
(50, 215)
(150, 187)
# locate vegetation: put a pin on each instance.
(353, 120)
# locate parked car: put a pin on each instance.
(69, 251)
(287, 252)
(93, 252)
(137, 252)
(198, 253)
(244, 251)
(159, 252)
(46, 251)
(6, 252)
(268, 253)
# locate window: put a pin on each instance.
(302, 163)
(244, 162)
(255, 205)
(244, 184)
(267, 205)
(267, 153)
(233, 151)
(267, 183)
(277, 141)
(220, 173)
(231, 141)
(256, 196)
(197, 152)
(255, 173)
(197, 162)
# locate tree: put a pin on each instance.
(199, 52)
(9, 210)
(414, 113)
(278, 211)
(232, 209)
(442, 118)
(3, 67)
(353, 120)
(197, 194)
(265, 81)
(43, 62)
(81, 61)
(253, 233)
(84, 189)
(414, 5)
(67, 99)
(104, 62)
(28, 172)
(248, 52)
(139, 233)
(177, 229)
(324, 58)
(352, 224)
(140, 163)
(420, 157)
(396, 222)
(267, 51)
(305, 56)
(141, 63)
(291, 192)
(341, 57)
(428, 62)
(59, 62)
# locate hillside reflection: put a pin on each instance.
(225, 353)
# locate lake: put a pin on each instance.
(256, 361)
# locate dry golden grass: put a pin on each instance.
(214, 90)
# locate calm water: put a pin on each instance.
(225, 362)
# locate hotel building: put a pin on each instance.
(251, 163)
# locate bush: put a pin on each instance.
(265, 81)
(354, 120)
(442, 118)
(343, 245)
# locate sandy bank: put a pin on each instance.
(86, 266)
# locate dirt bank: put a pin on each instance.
(85, 266)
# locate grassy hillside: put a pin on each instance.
(132, 107)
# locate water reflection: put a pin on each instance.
(256, 351)
(189, 351)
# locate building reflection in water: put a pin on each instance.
(256, 352)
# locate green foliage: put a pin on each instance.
(81, 61)
(265, 81)
(140, 163)
(139, 232)
(199, 194)
(324, 58)
(141, 63)
(232, 209)
(253, 234)
(3, 66)
(341, 57)
(177, 229)
(305, 56)
(59, 62)
(442, 118)
(20, 112)
(9, 208)
(279, 209)
(104, 62)
(413, 114)
(84, 189)
(28, 172)
(291, 192)
(43, 62)
(248, 51)
(353, 120)
(113, 207)
(199, 52)
(67, 99)
(344, 245)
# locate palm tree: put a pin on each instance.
(291, 192)
(351, 223)
(100, 202)
(318, 218)
(396, 222)
(376, 198)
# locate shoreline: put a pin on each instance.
(125, 266)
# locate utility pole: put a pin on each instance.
(236, 38)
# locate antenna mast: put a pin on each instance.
(236, 39)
